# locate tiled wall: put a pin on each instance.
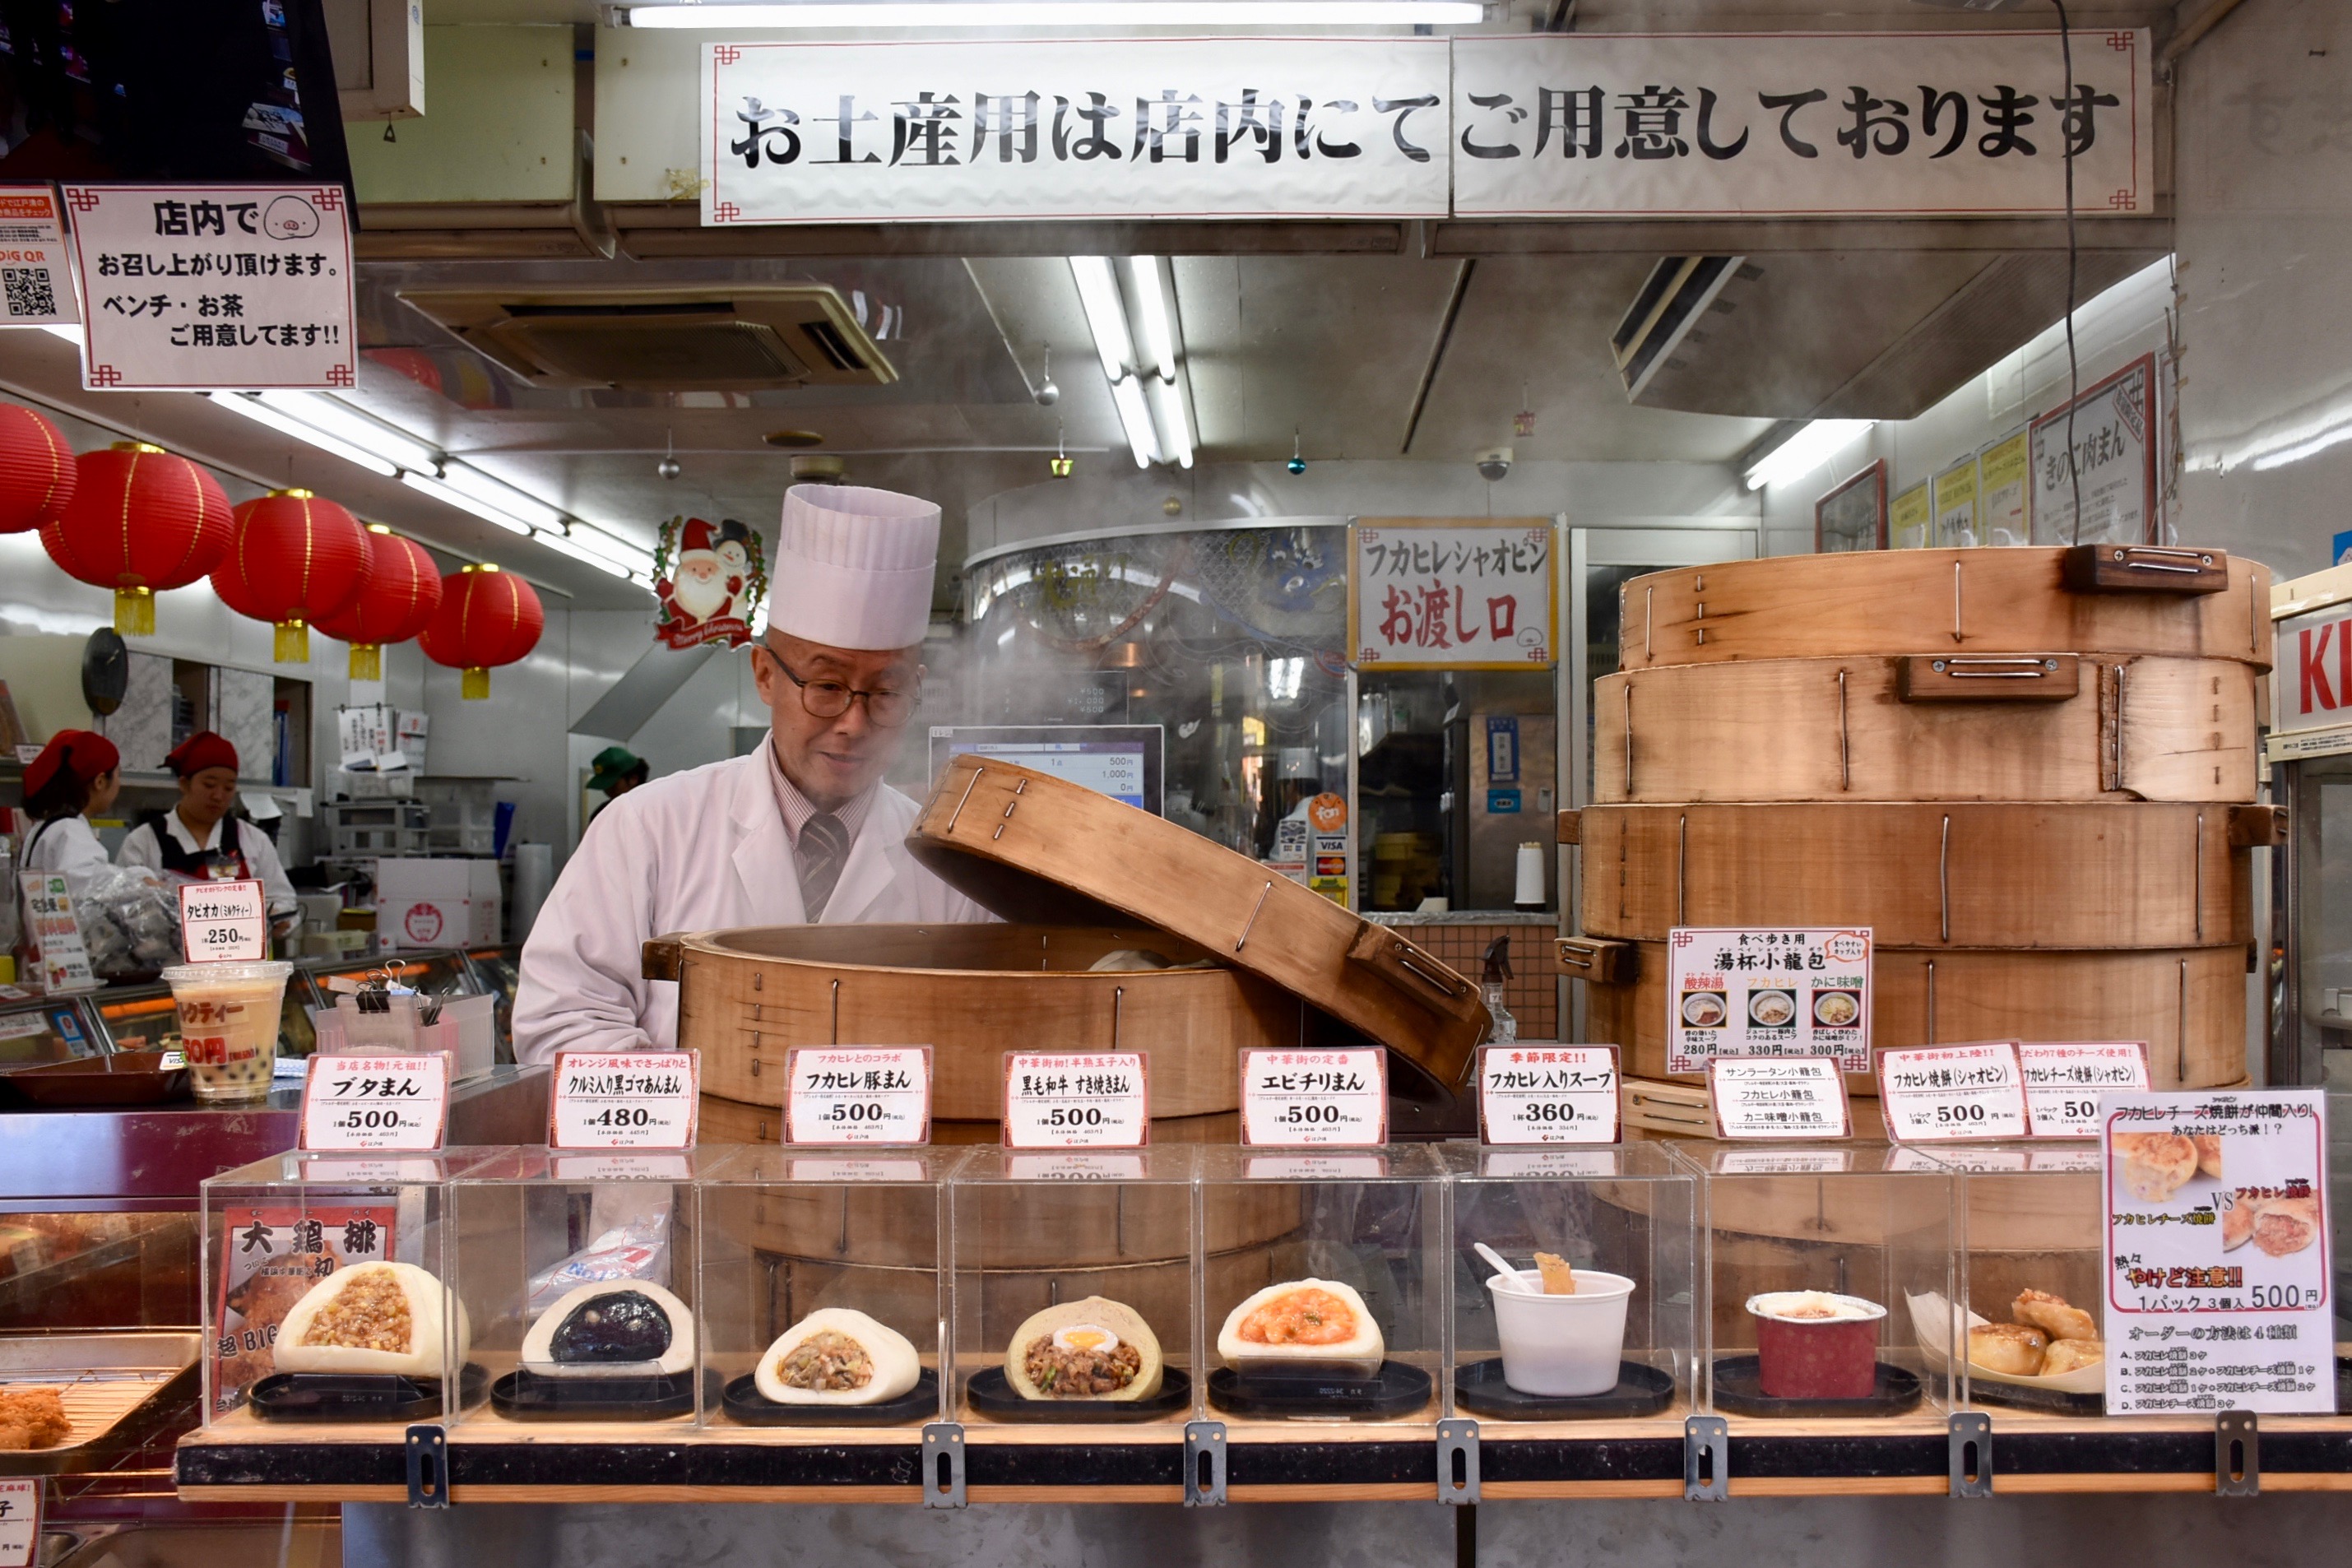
(1533, 993)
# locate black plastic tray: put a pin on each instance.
(745, 1403)
(1985, 1391)
(991, 1393)
(1640, 1390)
(1395, 1390)
(359, 1395)
(1738, 1390)
(526, 1395)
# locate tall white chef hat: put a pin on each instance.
(854, 567)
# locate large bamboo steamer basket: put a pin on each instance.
(971, 993)
(1036, 847)
(1933, 600)
(2011, 876)
(2188, 1004)
(2157, 728)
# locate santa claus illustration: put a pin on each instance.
(701, 587)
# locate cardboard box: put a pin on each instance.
(426, 903)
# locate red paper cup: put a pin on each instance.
(1816, 1358)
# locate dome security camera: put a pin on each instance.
(1493, 463)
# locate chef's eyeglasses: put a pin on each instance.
(831, 698)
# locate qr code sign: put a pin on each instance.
(28, 291)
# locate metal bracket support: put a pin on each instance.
(428, 1467)
(1204, 1464)
(1457, 1461)
(943, 1464)
(1970, 1435)
(2237, 1455)
(1706, 1459)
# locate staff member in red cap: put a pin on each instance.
(75, 775)
(197, 840)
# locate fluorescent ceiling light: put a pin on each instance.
(1158, 320)
(1167, 409)
(1056, 13)
(261, 413)
(492, 491)
(570, 547)
(618, 551)
(1105, 316)
(1127, 395)
(347, 424)
(430, 486)
(1803, 452)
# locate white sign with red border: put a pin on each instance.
(36, 274)
(20, 1521)
(624, 1099)
(1535, 1093)
(1077, 1100)
(1777, 1097)
(1957, 1093)
(857, 1094)
(355, 1105)
(1315, 1099)
(2064, 1081)
(1760, 992)
(224, 922)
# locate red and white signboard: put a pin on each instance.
(624, 1099)
(187, 286)
(1317, 1098)
(1777, 1097)
(2312, 686)
(1077, 1100)
(20, 1521)
(857, 1094)
(1445, 595)
(1938, 1094)
(224, 922)
(2064, 1081)
(1548, 1094)
(35, 273)
(376, 1104)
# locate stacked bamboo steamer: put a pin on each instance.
(2030, 772)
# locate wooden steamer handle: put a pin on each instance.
(1424, 979)
(1988, 678)
(2143, 569)
(663, 957)
(1599, 960)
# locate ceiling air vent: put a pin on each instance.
(705, 339)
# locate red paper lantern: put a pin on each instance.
(403, 590)
(37, 471)
(293, 558)
(140, 520)
(487, 617)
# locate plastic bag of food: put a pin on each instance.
(637, 1250)
(130, 919)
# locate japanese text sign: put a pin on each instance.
(1078, 1100)
(857, 1094)
(1318, 1097)
(62, 959)
(376, 1104)
(2064, 1081)
(2114, 438)
(1128, 127)
(1451, 595)
(2314, 684)
(1548, 1094)
(1934, 1094)
(624, 1099)
(1908, 124)
(270, 1259)
(208, 286)
(20, 1521)
(1734, 993)
(36, 278)
(1777, 1097)
(224, 922)
(2217, 1252)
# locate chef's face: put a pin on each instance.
(205, 797)
(831, 761)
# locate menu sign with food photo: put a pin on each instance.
(1736, 993)
(270, 1259)
(2216, 1247)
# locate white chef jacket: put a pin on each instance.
(702, 850)
(140, 847)
(66, 844)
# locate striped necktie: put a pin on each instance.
(824, 847)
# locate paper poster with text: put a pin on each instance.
(1758, 992)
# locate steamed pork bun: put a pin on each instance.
(837, 1356)
(369, 1318)
(1093, 1349)
(622, 1324)
(1306, 1320)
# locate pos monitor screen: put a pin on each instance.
(1121, 761)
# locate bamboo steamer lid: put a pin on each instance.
(1035, 848)
(2192, 603)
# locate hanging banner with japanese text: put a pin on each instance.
(1449, 595)
(213, 285)
(1144, 128)
(1728, 124)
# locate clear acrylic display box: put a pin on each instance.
(1359, 1238)
(1847, 1250)
(276, 1230)
(796, 1239)
(1625, 1344)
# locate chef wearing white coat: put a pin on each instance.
(802, 831)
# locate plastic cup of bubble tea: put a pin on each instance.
(1812, 1344)
(1561, 1347)
(228, 1024)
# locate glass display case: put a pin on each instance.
(2029, 1238)
(1072, 1280)
(820, 1296)
(39, 1032)
(576, 1274)
(1829, 1265)
(1601, 1321)
(145, 1018)
(1331, 1304)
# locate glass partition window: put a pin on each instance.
(2031, 1278)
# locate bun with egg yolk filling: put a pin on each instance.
(1092, 1349)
